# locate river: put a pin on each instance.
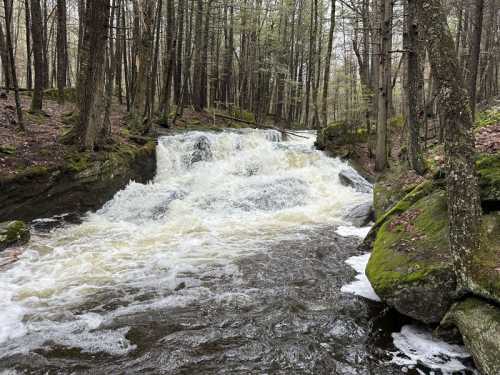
(235, 259)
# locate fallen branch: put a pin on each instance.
(259, 125)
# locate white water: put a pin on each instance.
(191, 222)
(361, 286)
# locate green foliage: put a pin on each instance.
(7, 150)
(487, 118)
(488, 169)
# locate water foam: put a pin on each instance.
(416, 346)
(361, 286)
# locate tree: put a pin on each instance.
(474, 55)
(8, 19)
(464, 207)
(90, 78)
(40, 71)
(384, 82)
(414, 77)
(62, 49)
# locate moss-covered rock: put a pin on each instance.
(484, 275)
(338, 138)
(392, 187)
(479, 324)
(83, 182)
(410, 267)
(488, 169)
(13, 233)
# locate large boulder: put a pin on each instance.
(410, 267)
(360, 215)
(13, 233)
(479, 325)
(349, 177)
(488, 169)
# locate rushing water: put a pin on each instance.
(228, 262)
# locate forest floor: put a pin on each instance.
(39, 144)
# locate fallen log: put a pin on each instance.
(259, 125)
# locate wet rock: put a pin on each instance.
(349, 177)
(13, 233)
(479, 324)
(181, 286)
(361, 215)
(202, 151)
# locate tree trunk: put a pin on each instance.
(90, 79)
(326, 78)
(62, 49)
(464, 207)
(386, 8)
(474, 55)
(37, 28)
(10, 48)
(413, 87)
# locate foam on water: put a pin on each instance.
(417, 346)
(207, 206)
(361, 286)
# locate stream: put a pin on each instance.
(236, 259)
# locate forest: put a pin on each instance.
(250, 186)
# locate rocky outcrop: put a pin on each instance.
(410, 267)
(360, 215)
(479, 325)
(83, 183)
(338, 138)
(13, 233)
(349, 177)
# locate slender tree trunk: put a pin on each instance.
(464, 207)
(29, 72)
(474, 55)
(37, 28)
(10, 48)
(62, 49)
(386, 8)
(414, 77)
(326, 78)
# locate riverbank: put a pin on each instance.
(410, 267)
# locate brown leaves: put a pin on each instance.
(488, 139)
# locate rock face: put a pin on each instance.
(350, 178)
(13, 233)
(80, 185)
(488, 168)
(410, 267)
(479, 324)
(361, 215)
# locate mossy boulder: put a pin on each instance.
(13, 233)
(488, 169)
(484, 274)
(479, 325)
(410, 267)
(391, 187)
(338, 138)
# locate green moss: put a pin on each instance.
(487, 118)
(485, 269)
(411, 244)
(69, 94)
(13, 232)
(78, 161)
(7, 150)
(488, 169)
